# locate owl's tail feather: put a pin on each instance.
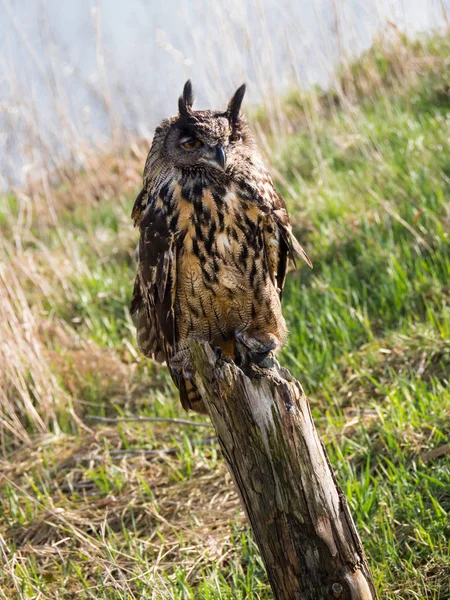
(190, 397)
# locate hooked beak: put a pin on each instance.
(221, 157)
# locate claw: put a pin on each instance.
(257, 351)
(266, 349)
(241, 339)
(252, 347)
(180, 365)
(219, 352)
(258, 356)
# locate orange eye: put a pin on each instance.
(191, 144)
(235, 137)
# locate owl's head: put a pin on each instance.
(203, 139)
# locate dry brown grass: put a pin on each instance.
(71, 514)
(45, 363)
(29, 391)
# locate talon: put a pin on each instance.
(258, 349)
(259, 356)
(219, 352)
(241, 338)
(267, 349)
(181, 366)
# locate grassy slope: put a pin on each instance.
(81, 516)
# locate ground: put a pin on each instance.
(94, 505)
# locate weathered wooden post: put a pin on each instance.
(297, 511)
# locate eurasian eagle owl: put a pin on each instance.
(215, 242)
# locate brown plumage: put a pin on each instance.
(215, 242)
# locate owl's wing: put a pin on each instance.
(281, 244)
(154, 290)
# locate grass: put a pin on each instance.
(117, 510)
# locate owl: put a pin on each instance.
(215, 243)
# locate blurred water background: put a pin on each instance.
(85, 74)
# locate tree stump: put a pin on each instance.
(298, 512)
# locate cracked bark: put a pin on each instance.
(298, 512)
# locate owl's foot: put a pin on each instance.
(181, 364)
(258, 345)
(218, 352)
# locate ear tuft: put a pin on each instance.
(186, 100)
(234, 105)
